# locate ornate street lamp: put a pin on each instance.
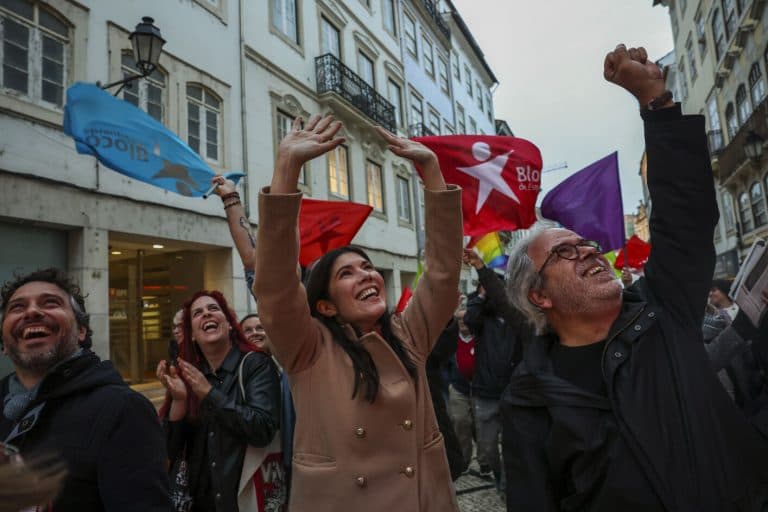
(753, 146)
(147, 44)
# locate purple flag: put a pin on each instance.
(589, 203)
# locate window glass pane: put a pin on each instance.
(403, 199)
(365, 68)
(329, 38)
(429, 63)
(53, 93)
(389, 15)
(417, 114)
(15, 56)
(291, 30)
(211, 101)
(212, 151)
(21, 7)
(195, 91)
(53, 23)
(443, 74)
(15, 33)
(393, 95)
(53, 49)
(155, 110)
(375, 195)
(410, 35)
(131, 94)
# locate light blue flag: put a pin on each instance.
(127, 140)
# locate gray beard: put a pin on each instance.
(41, 362)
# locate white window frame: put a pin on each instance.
(442, 74)
(326, 26)
(427, 49)
(374, 186)
(404, 206)
(281, 25)
(204, 109)
(409, 31)
(335, 183)
(140, 87)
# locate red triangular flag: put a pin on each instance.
(499, 176)
(638, 252)
(326, 225)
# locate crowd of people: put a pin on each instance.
(574, 391)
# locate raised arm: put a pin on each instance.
(680, 181)
(434, 299)
(495, 291)
(239, 225)
(282, 298)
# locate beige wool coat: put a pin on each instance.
(351, 455)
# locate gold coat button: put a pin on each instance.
(409, 471)
(360, 432)
(361, 481)
(407, 424)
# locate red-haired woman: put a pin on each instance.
(206, 418)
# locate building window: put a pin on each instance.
(285, 19)
(691, 58)
(403, 198)
(479, 96)
(146, 93)
(743, 108)
(447, 128)
(489, 106)
(338, 172)
(410, 36)
(673, 20)
(683, 82)
(395, 96)
(203, 120)
(330, 38)
(701, 34)
(729, 14)
(758, 204)
(34, 52)
(728, 211)
(284, 125)
(731, 121)
(375, 188)
(456, 71)
(756, 84)
(434, 122)
(417, 110)
(744, 213)
(365, 68)
(472, 125)
(460, 120)
(429, 58)
(442, 70)
(468, 79)
(718, 34)
(390, 23)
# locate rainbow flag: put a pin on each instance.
(490, 249)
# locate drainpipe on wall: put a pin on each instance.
(244, 129)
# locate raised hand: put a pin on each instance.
(301, 145)
(225, 186)
(470, 257)
(419, 154)
(631, 69)
(171, 380)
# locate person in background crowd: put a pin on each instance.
(461, 370)
(62, 399)
(254, 331)
(206, 419)
(498, 330)
(366, 435)
(442, 352)
(718, 297)
(614, 406)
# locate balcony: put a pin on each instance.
(732, 158)
(431, 8)
(420, 130)
(335, 77)
(715, 138)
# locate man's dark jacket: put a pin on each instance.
(693, 449)
(498, 339)
(108, 435)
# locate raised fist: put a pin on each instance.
(631, 69)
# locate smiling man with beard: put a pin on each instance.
(615, 406)
(63, 400)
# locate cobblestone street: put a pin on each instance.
(478, 493)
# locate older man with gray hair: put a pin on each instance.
(615, 406)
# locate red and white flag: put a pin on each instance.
(500, 177)
(326, 225)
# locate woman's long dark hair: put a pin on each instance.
(365, 369)
(190, 352)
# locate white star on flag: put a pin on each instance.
(488, 174)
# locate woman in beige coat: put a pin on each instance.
(366, 437)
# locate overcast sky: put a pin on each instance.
(548, 57)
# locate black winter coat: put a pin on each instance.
(665, 410)
(227, 423)
(108, 435)
(499, 330)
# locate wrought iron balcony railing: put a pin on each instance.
(715, 142)
(333, 76)
(732, 155)
(420, 130)
(431, 8)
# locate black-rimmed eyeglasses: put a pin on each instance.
(569, 251)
